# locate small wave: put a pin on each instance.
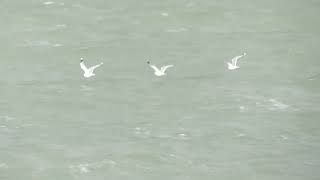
(89, 167)
(164, 14)
(6, 118)
(48, 3)
(81, 168)
(183, 136)
(277, 105)
(241, 135)
(283, 137)
(190, 4)
(56, 27)
(59, 26)
(41, 44)
(86, 88)
(141, 132)
(3, 166)
(176, 30)
(243, 108)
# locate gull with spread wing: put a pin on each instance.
(161, 71)
(233, 64)
(88, 72)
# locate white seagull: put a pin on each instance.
(161, 71)
(234, 61)
(88, 72)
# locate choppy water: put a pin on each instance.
(200, 122)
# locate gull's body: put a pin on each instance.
(161, 71)
(233, 65)
(88, 72)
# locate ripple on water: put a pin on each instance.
(3, 166)
(48, 3)
(6, 118)
(40, 44)
(283, 137)
(241, 135)
(85, 168)
(176, 30)
(80, 168)
(243, 108)
(278, 105)
(164, 14)
(183, 136)
(141, 132)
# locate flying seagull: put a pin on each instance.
(233, 64)
(88, 72)
(161, 71)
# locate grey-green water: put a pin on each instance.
(202, 121)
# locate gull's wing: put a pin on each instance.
(154, 68)
(235, 59)
(83, 66)
(91, 69)
(164, 68)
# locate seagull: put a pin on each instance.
(234, 60)
(88, 72)
(161, 71)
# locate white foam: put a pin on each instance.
(142, 132)
(43, 43)
(81, 168)
(89, 167)
(137, 128)
(173, 155)
(59, 26)
(283, 137)
(57, 45)
(183, 136)
(84, 168)
(278, 104)
(48, 3)
(164, 14)
(241, 135)
(243, 108)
